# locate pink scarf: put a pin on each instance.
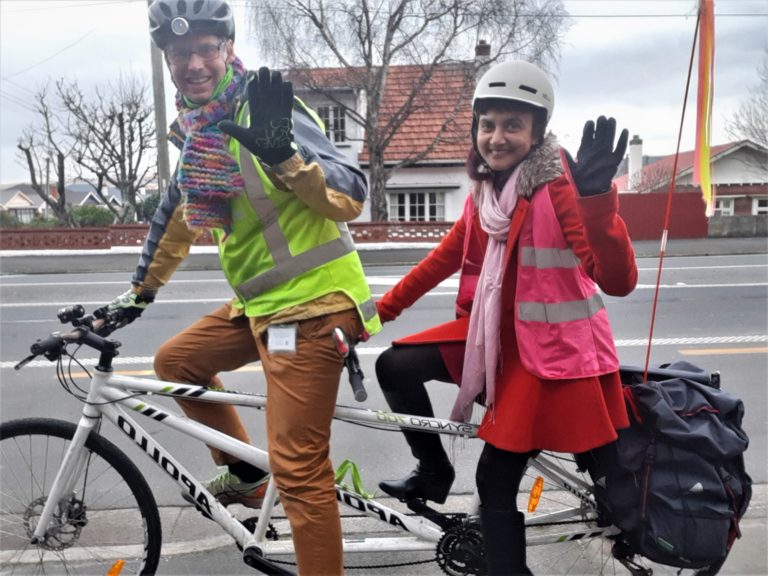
(483, 351)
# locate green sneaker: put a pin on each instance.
(229, 489)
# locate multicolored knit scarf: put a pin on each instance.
(208, 175)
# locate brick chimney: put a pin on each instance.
(482, 55)
(635, 162)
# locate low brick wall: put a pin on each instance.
(133, 235)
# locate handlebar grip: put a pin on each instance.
(356, 380)
(49, 344)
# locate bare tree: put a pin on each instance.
(750, 122)
(365, 38)
(43, 150)
(112, 135)
(651, 179)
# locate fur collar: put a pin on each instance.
(541, 165)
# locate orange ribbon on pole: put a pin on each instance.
(702, 157)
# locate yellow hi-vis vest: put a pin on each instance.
(280, 253)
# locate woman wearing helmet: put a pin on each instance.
(539, 234)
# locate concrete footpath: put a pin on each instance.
(123, 258)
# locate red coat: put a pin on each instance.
(529, 412)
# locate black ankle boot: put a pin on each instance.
(430, 481)
(433, 477)
(504, 536)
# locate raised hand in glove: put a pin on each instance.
(270, 134)
(597, 160)
(128, 306)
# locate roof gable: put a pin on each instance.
(685, 162)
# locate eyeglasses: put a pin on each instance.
(206, 52)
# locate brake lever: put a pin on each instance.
(24, 362)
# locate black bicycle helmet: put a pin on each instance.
(169, 19)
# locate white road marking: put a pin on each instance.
(376, 350)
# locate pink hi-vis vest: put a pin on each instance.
(560, 320)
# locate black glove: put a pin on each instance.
(596, 160)
(270, 134)
(128, 306)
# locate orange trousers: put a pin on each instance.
(301, 395)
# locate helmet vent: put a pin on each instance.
(528, 89)
(222, 12)
(197, 6)
(497, 84)
(181, 7)
(165, 10)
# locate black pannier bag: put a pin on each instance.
(674, 482)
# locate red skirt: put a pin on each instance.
(530, 413)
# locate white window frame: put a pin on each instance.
(335, 119)
(724, 206)
(414, 205)
(760, 206)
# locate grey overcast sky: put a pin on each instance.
(624, 58)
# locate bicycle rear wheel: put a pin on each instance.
(565, 532)
(111, 516)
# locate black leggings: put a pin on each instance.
(498, 477)
(402, 372)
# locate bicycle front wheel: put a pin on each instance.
(110, 516)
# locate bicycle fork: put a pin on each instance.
(72, 468)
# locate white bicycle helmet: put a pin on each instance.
(517, 80)
(169, 19)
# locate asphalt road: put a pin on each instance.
(712, 311)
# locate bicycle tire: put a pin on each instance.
(584, 553)
(119, 505)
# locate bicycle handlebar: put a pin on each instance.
(90, 330)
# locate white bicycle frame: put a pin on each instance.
(116, 397)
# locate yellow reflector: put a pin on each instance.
(535, 495)
(117, 567)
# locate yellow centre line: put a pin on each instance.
(724, 351)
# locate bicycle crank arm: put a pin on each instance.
(254, 557)
(420, 507)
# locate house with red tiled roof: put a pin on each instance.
(426, 154)
(739, 173)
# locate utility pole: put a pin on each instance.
(158, 91)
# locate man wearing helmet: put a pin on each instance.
(539, 234)
(258, 172)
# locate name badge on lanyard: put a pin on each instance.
(281, 338)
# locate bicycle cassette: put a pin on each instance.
(460, 551)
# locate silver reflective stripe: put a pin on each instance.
(368, 309)
(556, 312)
(264, 208)
(548, 257)
(297, 265)
(262, 205)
